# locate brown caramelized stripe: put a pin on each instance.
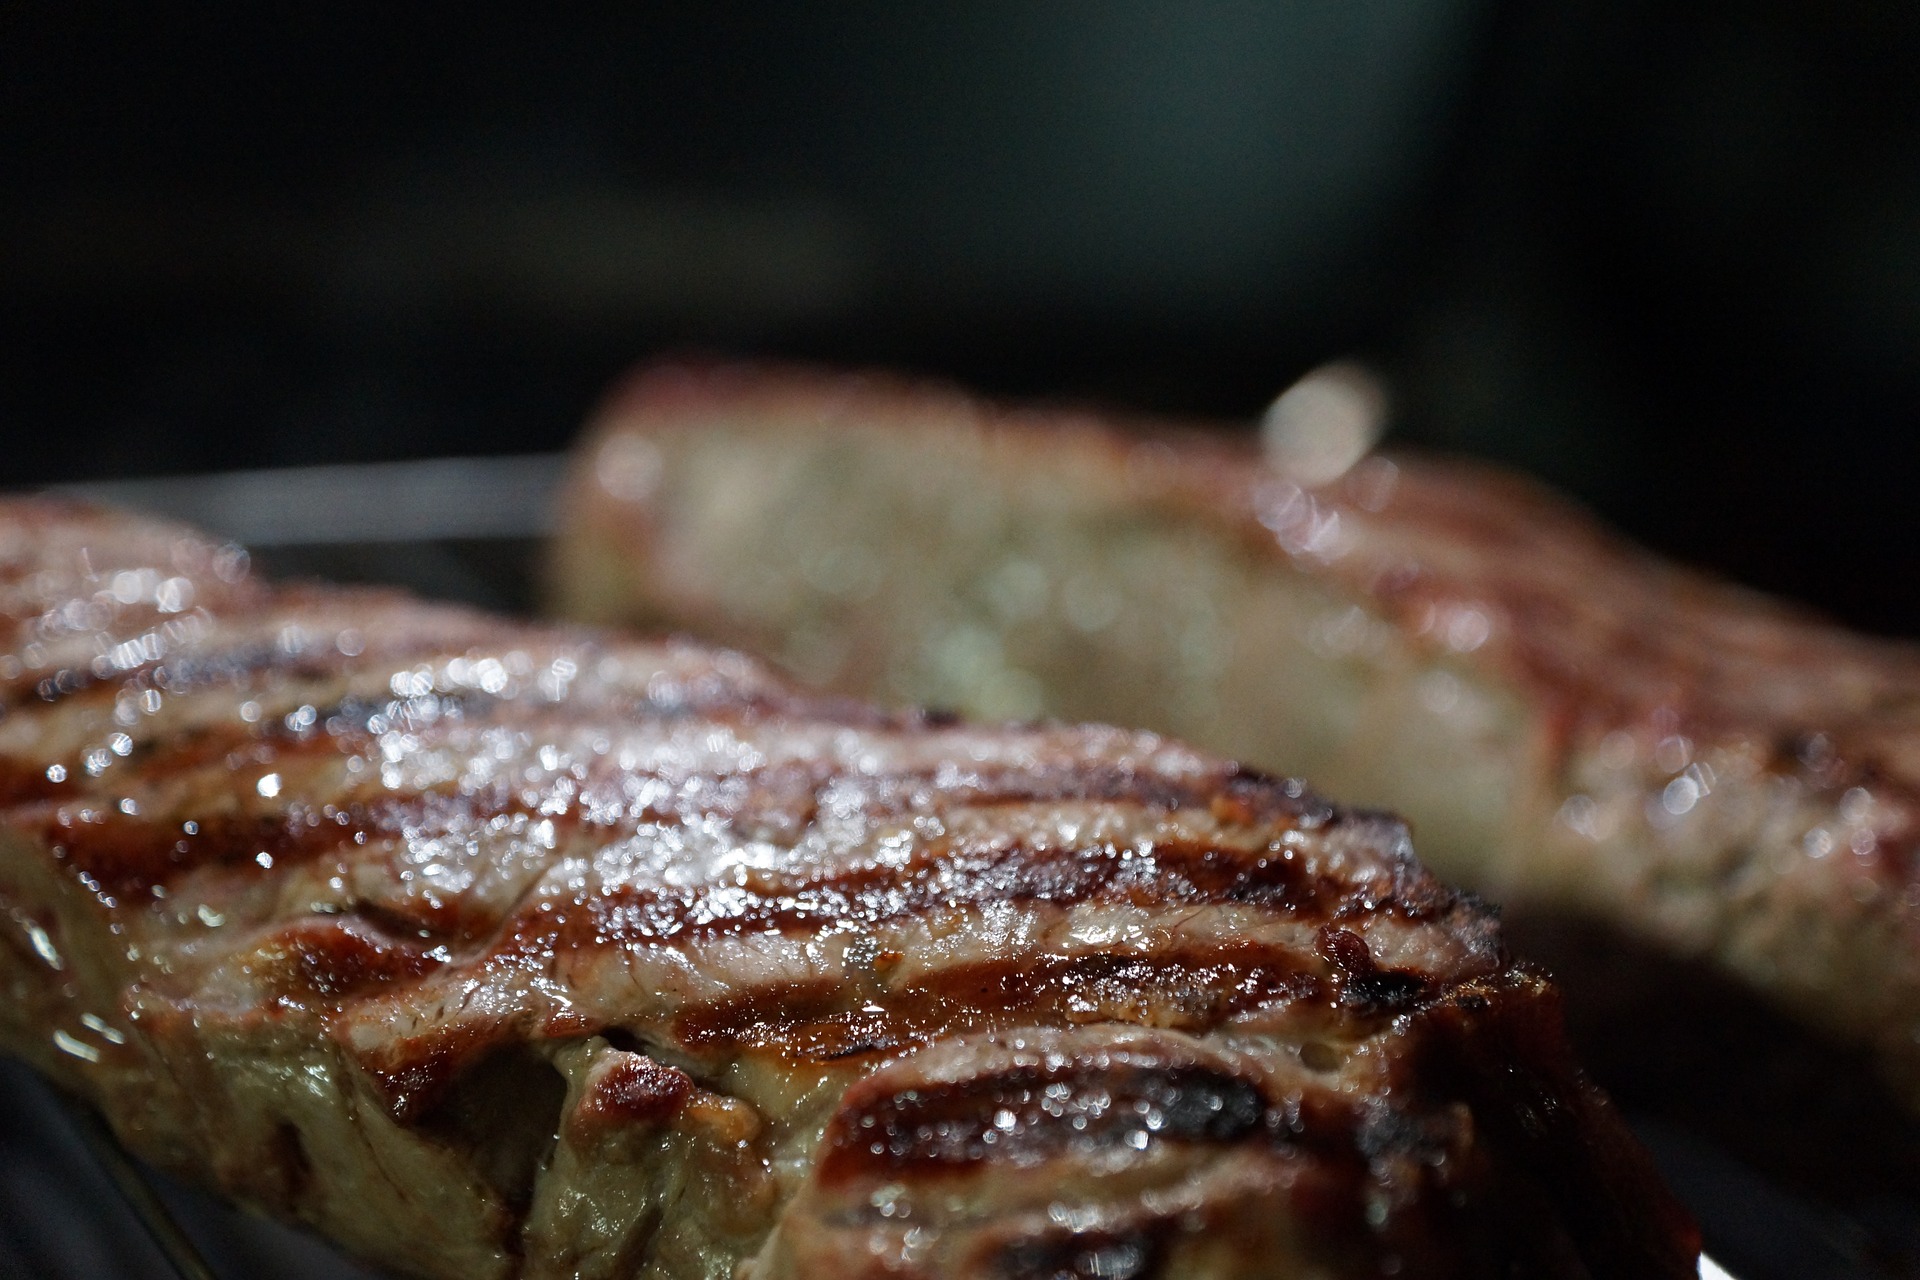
(631, 1089)
(789, 796)
(414, 634)
(124, 853)
(262, 636)
(1233, 795)
(24, 782)
(121, 855)
(1027, 1114)
(129, 854)
(124, 856)
(344, 726)
(414, 1074)
(944, 877)
(325, 960)
(1188, 988)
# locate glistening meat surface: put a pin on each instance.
(491, 949)
(1573, 726)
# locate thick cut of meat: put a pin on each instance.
(1569, 723)
(497, 950)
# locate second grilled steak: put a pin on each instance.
(1571, 724)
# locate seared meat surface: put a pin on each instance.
(494, 950)
(1571, 725)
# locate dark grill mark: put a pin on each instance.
(1235, 796)
(342, 727)
(122, 855)
(1190, 989)
(324, 961)
(937, 878)
(1025, 1115)
(775, 802)
(1365, 983)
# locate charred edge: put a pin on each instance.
(1314, 809)
(1025, 1115)
(1192, 989)
(1366, 985)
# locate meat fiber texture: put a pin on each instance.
(1571, 725)
(491, 949)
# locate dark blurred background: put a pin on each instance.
(1666, 255)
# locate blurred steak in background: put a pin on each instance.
(1662, 255)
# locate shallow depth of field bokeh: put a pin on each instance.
(1666, 255)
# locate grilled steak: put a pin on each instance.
(1569, 723)
(491, 950)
